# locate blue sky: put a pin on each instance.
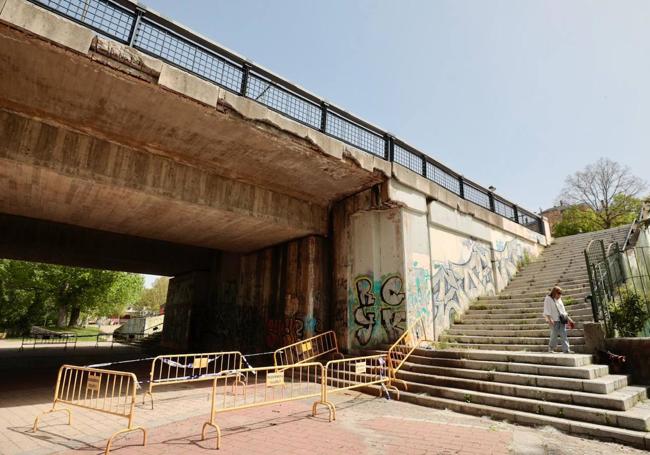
(515, 94)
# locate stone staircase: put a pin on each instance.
(488, 363)
(513, 321)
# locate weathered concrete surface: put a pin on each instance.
(53, 173)
(252, 302)
(107, 94)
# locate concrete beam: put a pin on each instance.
(28, 239)
(52, 173)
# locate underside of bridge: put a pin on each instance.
(111, 159)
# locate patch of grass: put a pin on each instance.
(568, 301)
(442, 345)
(468, 398)
(479, 307)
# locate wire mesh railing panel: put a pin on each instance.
(283, 101)
(103, 15)
(356, 135)
(159, 41)
(504, 209)
(477, 196)
(408, 159)
(442, 178)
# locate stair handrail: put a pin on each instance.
(404, 346)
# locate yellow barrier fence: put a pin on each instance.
(110, 392)
(399, 352)
(265, 386)
(306, 350)
(184, 368)
(356, 372)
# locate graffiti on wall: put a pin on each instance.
(507, 256)
(377, 309)
(456, 283)
(281, 332)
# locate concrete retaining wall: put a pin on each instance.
(402, 254)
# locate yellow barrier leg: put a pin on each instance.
(35, 427)
(126, 430)
(394, 389)
(216, 427)
(404, 384)
(330, 407)
(144, 398)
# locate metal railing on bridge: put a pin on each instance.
(132, 24)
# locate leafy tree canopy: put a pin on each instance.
(154, 299)
(33, 293)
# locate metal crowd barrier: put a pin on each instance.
(399, 352)
(185, 368)
(265, 386)
(49, 339)
(306, 350)
(356, 372)
(110, 392)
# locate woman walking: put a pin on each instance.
(557, 319)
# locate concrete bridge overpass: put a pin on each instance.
(129, 142)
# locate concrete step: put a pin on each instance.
(606, 432)
(526, 386)
(553, 275)
(524, 313)
(508, 347)
(535, 284)
(536, 306)
(460, 330)
(579, 294)
(515, 319)
(543, 340)
(508, 327)
(637, 418)
(581, 372)
(507, 298)
(565, 360)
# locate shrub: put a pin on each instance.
(629, 314)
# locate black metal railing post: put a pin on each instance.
(139, 12)
(515, 213)
(461, 187)
(246, 70)
(540, 225)
(323, 116)
(491, 199)
(389, 147)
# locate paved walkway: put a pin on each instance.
(364, 425)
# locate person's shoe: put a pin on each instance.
(551, 350)
(568, 352)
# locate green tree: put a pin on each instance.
(575, 220)
(609, 189)
(154, 298)
(31, 293)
